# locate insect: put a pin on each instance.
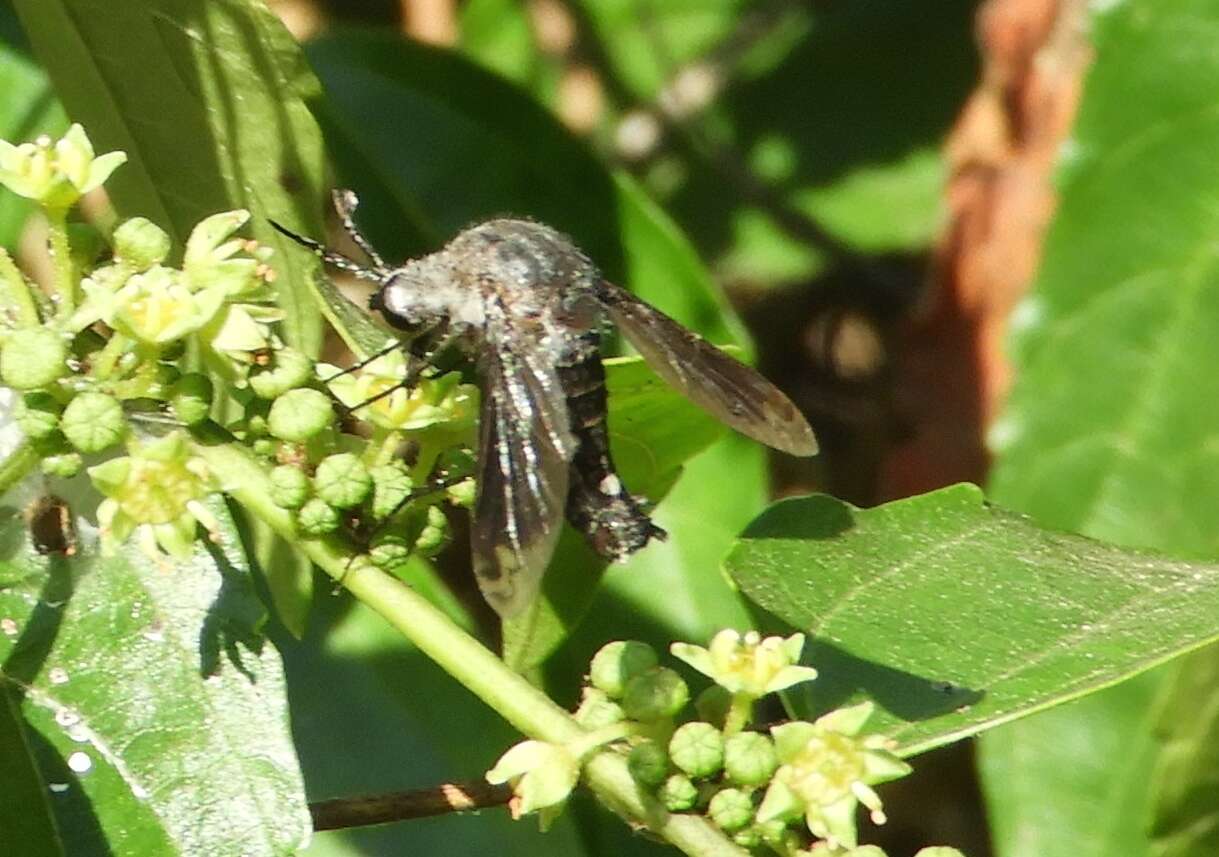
(50, 524)
(530, 308)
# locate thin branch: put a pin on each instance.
(365, 810)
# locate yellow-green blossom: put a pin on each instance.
(155, 307)
(155, 492)
(214, 258)
(748, 665)
(826, 772)
(56, 174)
(428, 402)
(542, 775)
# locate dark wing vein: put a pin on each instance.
(729, 390)
(524, 452)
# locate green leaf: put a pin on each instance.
(28, 110)
(25, 813)
(955, 616)
(207, 98)
(156, 715)
(1110, 426)
(288, 574)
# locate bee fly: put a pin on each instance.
(530, 307)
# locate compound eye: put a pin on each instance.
(396, 302)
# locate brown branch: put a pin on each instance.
(366, 810)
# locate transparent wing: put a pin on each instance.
(729, 390)
(525, 449)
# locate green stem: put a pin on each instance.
(463, 657)
(15, 292)
(108, 358)
(740, 712)
(14, 468)
(61, 260)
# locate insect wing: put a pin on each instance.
(524, 453)
(729, 390)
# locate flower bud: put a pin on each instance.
(299, 415)
(435, 533)
(289, 487)
(654, 695)
(463, 493)
(678, 794)
(749, 758)
(750, 837)
(731, 809)
(342, 480)
(317, 518)
(64, 466)
(139, 244)
(266, 447)
(648, 764)
(697, 749)
(391, 485)
(597, 710)
(290, 370)
(93, 422)
(32, 358)
(389, 551)
(618, 662)
(712, 705)
(190, 398)
(37, 415)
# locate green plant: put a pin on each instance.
(168, 390)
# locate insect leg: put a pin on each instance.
(358, 366)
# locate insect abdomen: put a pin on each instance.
(598, 504)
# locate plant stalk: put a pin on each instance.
(15, 292)
(61, 261)
(520, 703)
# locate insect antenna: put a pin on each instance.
(372, 358)
(331, 257)
(345, 203)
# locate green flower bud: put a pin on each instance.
(750, 759)
(316, 518)
(597, 710)
(299, 415)
(678, 794)
(750, 837)
(289, 487)
(648, 764)
(618, 662)
(435, 533)
(697, 749)
(139, 244)
(33, 358)
(389, 551)
(190, 398)
(64, 466)
(463, 493)
(266, 447)
(256, 426)
(37, 415)
(391, 485)
(731, 809)
(342, 480)
(93, 421)
(654, 695)
(291, 370)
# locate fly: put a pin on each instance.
(530, 308)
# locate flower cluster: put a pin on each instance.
(98, 361)
(793, 788)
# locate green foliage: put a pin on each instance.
(1110, 429)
